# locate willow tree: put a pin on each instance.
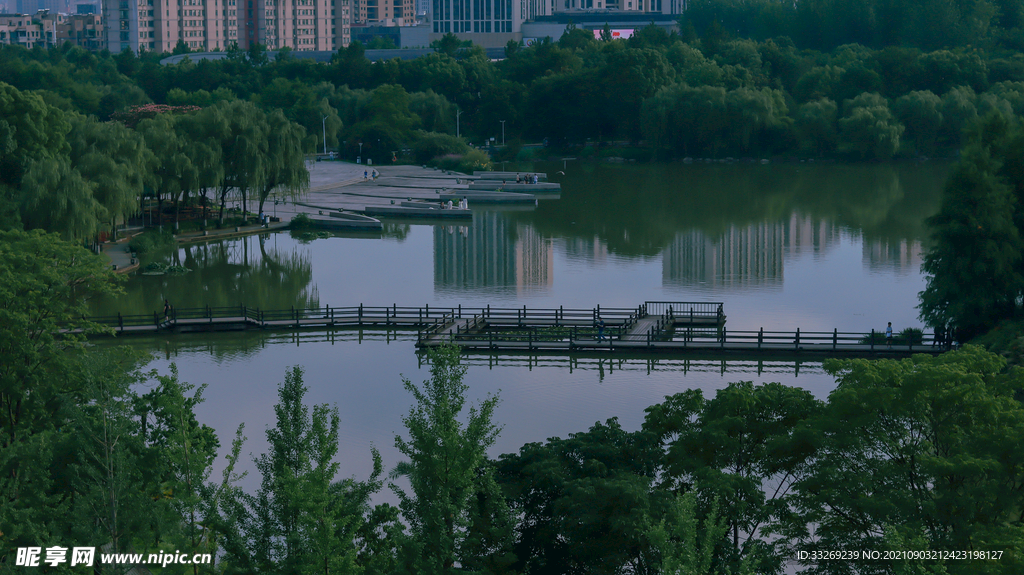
(114, 159)
(172, 172)
(239, 129)
(55, 197)
(284, 168)
(204, 151)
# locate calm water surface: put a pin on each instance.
(783, 246)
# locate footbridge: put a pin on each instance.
(654, 327)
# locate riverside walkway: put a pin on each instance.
(663, 328)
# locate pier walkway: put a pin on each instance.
(663, 328)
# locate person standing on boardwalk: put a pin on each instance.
(600, 329)
(888, 335)
(167, 309)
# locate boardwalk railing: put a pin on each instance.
(664, 339)
(655, 326)
(686, 309)
(419, 317)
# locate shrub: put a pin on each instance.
(467, 163)
(301, 222)
(429, 145)
(149, 241)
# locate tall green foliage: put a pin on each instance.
(975, 268)
(301, 520)
(445, 457)
(925, 447)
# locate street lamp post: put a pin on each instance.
(502, 132)
(324, 122)
(360, 151)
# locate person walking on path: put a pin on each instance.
(888, 335)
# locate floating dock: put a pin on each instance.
(512, 187)
(477, 197)
(344, 221)
(425, 212)
(507, 176)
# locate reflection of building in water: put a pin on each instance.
(902, 256)
(592, 250)
(743, 257)
(492, 253)
(806, 235)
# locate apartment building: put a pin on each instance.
(214, 25)
(386, 12)
(82, 30)
(31, 31)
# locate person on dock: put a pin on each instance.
(167, 309)
(517, 178)
(600, 329)
(888, 335)
(939, 336)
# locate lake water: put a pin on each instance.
(806, 246)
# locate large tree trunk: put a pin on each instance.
(223, 201)
(160, 210)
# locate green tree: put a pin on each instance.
(186, 450)
(974, 269)
(687, 545)
(923, 447)
(285, 170)
(728, 449)
(869, 128)
(816, 123)
(448, 45)
(54, 196)
(584, 503)
(921, 113)
(445, 456)
(44, 286)
(301, 520)
(114, 493)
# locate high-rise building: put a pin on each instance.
(396, 12)
(214, 25)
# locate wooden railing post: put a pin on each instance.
(760, 337)
(835, 338)
(872, 340)
(723, 337)
(796, 342)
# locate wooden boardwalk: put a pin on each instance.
(652, 328)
